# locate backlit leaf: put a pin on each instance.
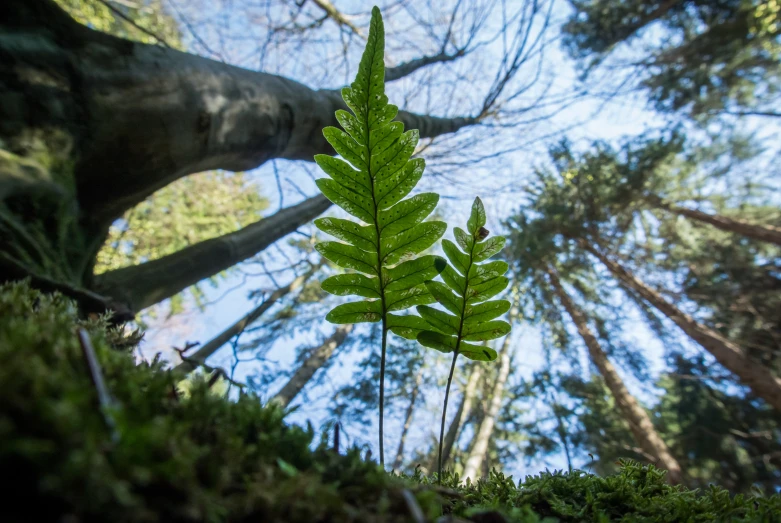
(362, 236)
(356, 312)
(458, 259)
(407, 326)
(477, 352)
(400, 300)
(348, 257)
(352, 284)
(486, 290)
(437, 341)
(407, 213)
(413, 272)
(488, 248)
(476, 217)
(486, 311)
(484, 331)
(440, 320)
(410, 242)
(446, 297)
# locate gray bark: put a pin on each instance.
(636, 417)
(213, 345)
(486, 430)
(314, 361)
(757, 377)
(144, 285)
(141, 116)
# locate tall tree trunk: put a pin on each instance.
(757, 377)
(141, 286)
(313, 362)
(462, 414)
(91, 125)
(763, 233)
(140, 116)
(637, 418)
(209, 348)
(413, 397)
(486, 430)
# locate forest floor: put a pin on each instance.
(144, 450)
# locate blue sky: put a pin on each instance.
(322, 65)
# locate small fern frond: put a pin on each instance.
(370, 182)
(468, 283)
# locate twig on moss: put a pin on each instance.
(96, 374)
(414, 508)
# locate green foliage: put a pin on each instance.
(178, 216)
(468, 316)
(147, 14)
(469, 284)
(702, 57)
(370, 184)
(637, 493)
(206, 458)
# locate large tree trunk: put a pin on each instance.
(313, 362)
(639, 422)
(757, 377)
(92, 124)
(141, 116)
(763, 233)
(190, 363)
(486, 430)
(141, 286)
(413, 398)
(462, 414)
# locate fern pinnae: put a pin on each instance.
(468, 284)
(370, 181)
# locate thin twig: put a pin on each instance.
(96, 374)
(130, 21)
(414, 508)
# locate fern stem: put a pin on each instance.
(382, 387)
(444, 414)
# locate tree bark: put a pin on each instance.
(413, 398)
(462, 414)
(200, 356)
(141, 116)
(637, 418)
(758, 378)
(763, 233)
(314, 361)
(486, 430)
(141, 286)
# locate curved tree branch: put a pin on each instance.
(144, 285)
(139, 116)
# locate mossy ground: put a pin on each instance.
(203, 458)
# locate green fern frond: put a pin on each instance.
(370, 181)
(468, 284)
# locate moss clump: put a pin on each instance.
(203, 458)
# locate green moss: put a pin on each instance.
(203, 458)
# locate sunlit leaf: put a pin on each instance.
(352, 284)
(356, 312)
(407, 326)
(413, 272)
(484, 331)
(400, 300)
(440, 320)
